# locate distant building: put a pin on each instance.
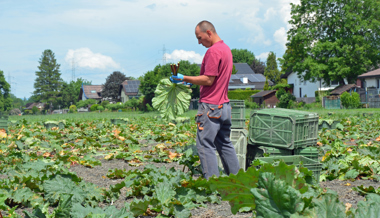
(90, 92)
(129, 89)
(268, 97)
(369, 79)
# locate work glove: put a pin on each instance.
(187, 84)
(176, 79)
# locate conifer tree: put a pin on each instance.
(271, 70)
(48, 82)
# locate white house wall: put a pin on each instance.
(307, 88)
(371, 82)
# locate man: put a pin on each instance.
(214, 113)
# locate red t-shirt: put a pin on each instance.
(216, 62)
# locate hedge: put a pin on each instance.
(239, 94)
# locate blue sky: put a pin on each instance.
(96, 37)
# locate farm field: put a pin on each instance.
(148, 167)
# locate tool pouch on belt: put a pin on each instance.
(208, 111)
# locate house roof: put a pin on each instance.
(92, 91)
(256, 81)
(29, 106)
(243, 68)
(130, 87)
(343, 88)
(262, 94)
(373, 73)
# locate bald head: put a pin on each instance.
(205, 25)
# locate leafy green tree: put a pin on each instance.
(266, 84)
(132, 103)
(242, 56)
(350, 100)
(112, 85)
(333, 40)
(48, 82)
(85, 103)
(234, 71)
(150, 80)
(286, 100)
(72, 109)
(5, 97)
(271, 70)
(258, 66)
(70, 92)
(35, 110)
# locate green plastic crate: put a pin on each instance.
(283, 128)
(310, 164)
(254, 151)
(309, 152)
(239, 140)
(120, 121)
(237, 114)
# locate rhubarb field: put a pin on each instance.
(144, 166)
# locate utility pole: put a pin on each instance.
(163, 55)
(72, 69)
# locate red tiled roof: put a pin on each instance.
(93, 91)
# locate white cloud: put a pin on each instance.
(263, 56)
(190, 56)
(84, 57)
(280, 36)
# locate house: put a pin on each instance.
(369, 79)
(245, 77)
(251, 81)
(269, 97)
(40, 106)
(305, 90)
(129, 89)
(91, 92)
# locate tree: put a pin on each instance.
(266, 84)
(112, 85)
(333, 40)
(271, 70)
(242, 56)
(70, 92)
(234, 71)
(16, 102)
(149, 81)
(258, 66)
(5, 97)
(48, 83)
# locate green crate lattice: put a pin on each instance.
(239, 140)
(237, 114)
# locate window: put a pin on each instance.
(334, 83)
(300, 92)
(378, 83)
(93, 91)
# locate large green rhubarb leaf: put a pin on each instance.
(171, 99)
(328, 205)
(369, 208)
(275, 198)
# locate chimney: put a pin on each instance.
(244, 80)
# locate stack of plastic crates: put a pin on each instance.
(284, 134)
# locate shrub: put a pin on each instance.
(105, 103)
(34, 110)
(252, 105)
(239, 94)
(286, 100)
(149, 108)
(15, 111)
(100, 108)
(350, 101)
(94, 107)
(73, 109)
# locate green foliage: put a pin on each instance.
(73, 109)
(5, 97)
(242, 56)
(100, 108)
(250, 104)
(239, 94)
(151, 79)
(234, 71)
(266, 85)
(35, 110)
(133, 103)
(105, 103)
(350, 100)
(94, 107)
(112, 85)
(258, 66)
(85, 103)
(48, 82)
(171, 99)
(333, 40)
(286, 100)
(70, 92)
(271, 69)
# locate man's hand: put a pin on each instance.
(187, 84)
(176, 79)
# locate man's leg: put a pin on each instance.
(207, 130)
